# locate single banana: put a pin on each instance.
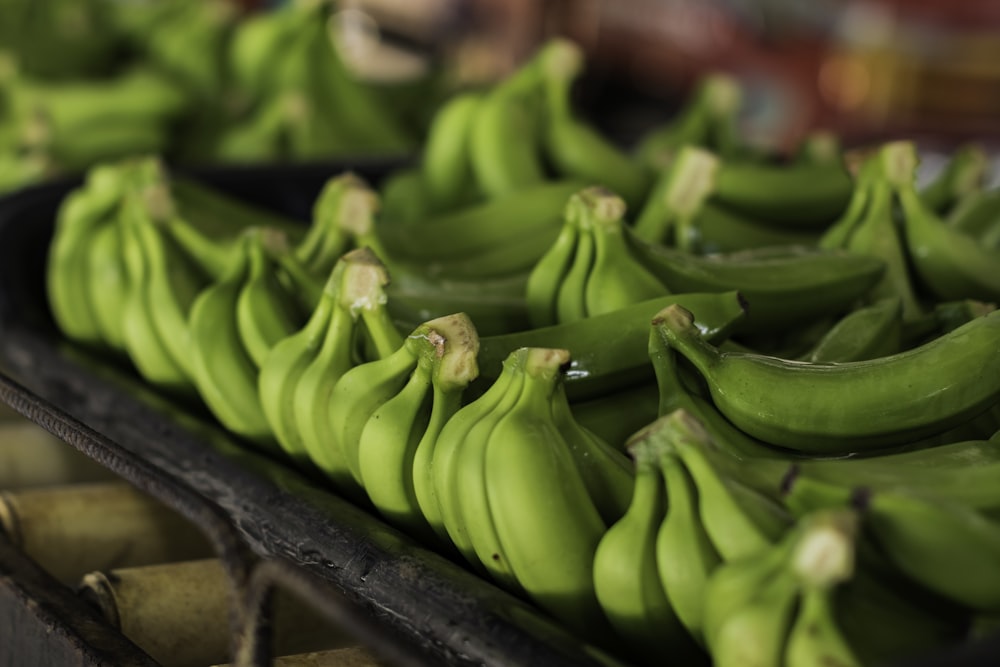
(355, 395)
(851, 406)
(106, 283)
(574, 147)
(606, 471)
(504, 141)
(716, 229)
(738, 520)
(544, 517)
(782, 286)
(869, 332)
(328, 334)
(756, 632)
(343, 196)
(685, 556)
(445, 161)
(616, 278)
(143, 342)
(222, 370)
(596, 368)
(946, 547)
(265, 311)
(961, 177)
(626, 579)
(953, 265)
(392, 435)
(548, 274)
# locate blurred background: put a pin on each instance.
(869, 70)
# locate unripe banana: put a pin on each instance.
(265, 311)
(953, 265)
(574, 147)
(343, 198)
(504, 142)
(454, 436)
(616, 279)
(545, 520)
(755, 633)
(869, 332)
(626, 580)
(79, 216)
(961, 176)
(549, 272)
(222, 370)
(946, 547)
(852, 406)
(571, 292)
(360, 299)
(106, 283)
(445, 164)
(685, 556)
(392, 435)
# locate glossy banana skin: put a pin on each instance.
(867, 333)
(609, 351)
(782, 287)
(854, 406)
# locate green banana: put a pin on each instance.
(686, 557)
(390, 438)
(265, 311)
(615, 280)
(952, 264)
(715, 102)
(677, 195)
(480, 413)
(800, 196)
(445, 161)
(222, 370)
(549, 272)
(504, 141)
(869, 332)
(961, 176)
(626, 579)
(80, 215)
(105, 283)
(570, 295)
(597, 367)
(738, 520)
(343, 199)
(355, 395)
(854, 406)
(606, 471)
(756, 632)
(359, 314)
(545, 520)
(819, 146)
(716, 229)
(326, 338)
(976, 213)
(575, 148)
(782, 286)
(948, 548)
(479, 227)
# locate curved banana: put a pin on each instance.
(106, 283)
(626, 579)
(445, 162)
(869, 332)
(571, 293)
(546, 522)
(755, 633)
(80, 214)
(852, 406)
(953, 265)
(549, 272)
(616, 279)
(343, 198)
(716, 229)
(504, 140)
(221, 368)
(265, 311)
(946, 547)
(574, 147)
(782, 286)
(685, 557)
(328, 333)
(961, 177)
(392, 436)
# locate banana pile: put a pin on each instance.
(86, 81)
(694, 402)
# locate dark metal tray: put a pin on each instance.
(419, 607)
